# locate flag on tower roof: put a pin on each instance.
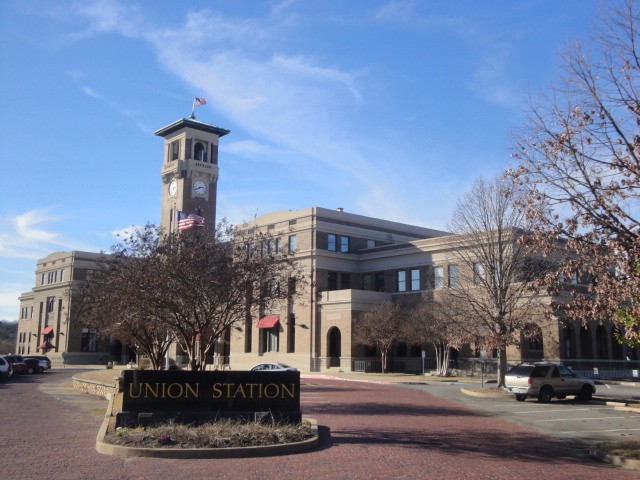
(200, 101)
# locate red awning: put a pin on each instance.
(45, 346)
(268, 322)
(47, 331)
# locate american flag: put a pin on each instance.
(186, 221)
(200, 101)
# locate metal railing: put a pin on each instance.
(599, 369)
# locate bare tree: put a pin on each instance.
(380, 327)
(209, 281)
(188, 287)
(432, 323)
(579, 168)
(114, 300)
(490, 287)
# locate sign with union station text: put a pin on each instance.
(210, 391)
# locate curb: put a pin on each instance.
(191, 453)
(201, 453)
(476, 393)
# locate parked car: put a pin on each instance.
(20, 368)
(547, 380)
(13, 358)
(5, 368)
(34, 365)
(44, 360)
(273, 367)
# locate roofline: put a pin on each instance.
(191, 122)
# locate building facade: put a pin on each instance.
(45, 326)
(352, 263)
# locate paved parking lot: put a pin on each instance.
(369, 431)
(590, 423)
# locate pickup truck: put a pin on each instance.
(547, 380)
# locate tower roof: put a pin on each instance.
(191, 123)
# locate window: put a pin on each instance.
(379, 284)
(367, 282)
(293, 244)
(50, 304)
(175, 150)
(454, 278)
(42, 279)
(402, 281)
(62, 275)
(415, 279)
(270, 337)
(271, 246)
(535, 343)
(200, 152)
(278, 245)
(88, 341)
(344, 244)
(332, 280)
(478, 273)
(438, 274)
(331, 242)
(345, 281)
(371, 243)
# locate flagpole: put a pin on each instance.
(193, 108)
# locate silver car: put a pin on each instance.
(547, 380)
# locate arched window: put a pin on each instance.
(200, 152)
(586, 348)
(567, 342)
(616, 347)
(601, 342)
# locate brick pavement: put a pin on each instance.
(369, 431)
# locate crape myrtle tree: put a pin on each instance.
(114, 300)
(380, 328)
(189, 287)
(490, 290)
(579, 170)
(432, 322)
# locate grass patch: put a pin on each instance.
(219, 434)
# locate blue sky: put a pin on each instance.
(385, 108)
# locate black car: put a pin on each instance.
(42, 358)
(33, 365)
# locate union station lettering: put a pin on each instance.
(217, 392)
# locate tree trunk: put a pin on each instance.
(436, 347)
(502, 365)
(445, 360)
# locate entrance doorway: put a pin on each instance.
(335, 345)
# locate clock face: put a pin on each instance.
(173, 188)
(199, 187)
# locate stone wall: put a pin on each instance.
(95, 388)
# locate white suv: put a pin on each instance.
(547, 380)
(5, 368)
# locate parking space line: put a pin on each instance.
(578, 419)
(601, 431)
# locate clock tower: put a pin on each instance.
(189, 171)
